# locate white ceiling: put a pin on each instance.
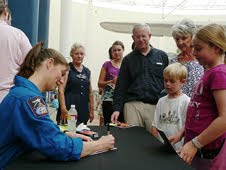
(165, 7)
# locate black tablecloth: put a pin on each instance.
(137, 150)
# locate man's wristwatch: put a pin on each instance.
(196, 143)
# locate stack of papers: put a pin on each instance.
(121, 125)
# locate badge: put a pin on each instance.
(158, 63)
(81, 76)
(38, 106)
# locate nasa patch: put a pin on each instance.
(38, 106)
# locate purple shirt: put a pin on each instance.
(110, 70)
(202, 109)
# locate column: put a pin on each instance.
(65, 28)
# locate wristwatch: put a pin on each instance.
(196, 143)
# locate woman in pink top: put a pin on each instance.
(108, 77)
(205, 127)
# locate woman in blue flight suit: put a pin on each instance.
(25, 117)
(78, 90)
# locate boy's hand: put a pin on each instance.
(154, 132)
(175, 138)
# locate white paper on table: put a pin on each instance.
(82, 127)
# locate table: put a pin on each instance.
(137, 150)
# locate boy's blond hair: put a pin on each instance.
(176, 71)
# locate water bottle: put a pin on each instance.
(72, 119)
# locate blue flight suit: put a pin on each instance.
(26, 125)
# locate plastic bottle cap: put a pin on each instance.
(73, 105)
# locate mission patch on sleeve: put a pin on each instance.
(38, 106)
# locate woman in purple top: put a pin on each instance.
(182, 33)
(205, 127)
(108, 77)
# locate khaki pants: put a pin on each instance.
(139, 114)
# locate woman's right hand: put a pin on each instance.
(104, 144)
(114, 80)
(188, 152)
(63, 115)
(107, 142)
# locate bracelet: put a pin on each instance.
(196, 143)
(65, 131)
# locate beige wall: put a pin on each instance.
(86, 30)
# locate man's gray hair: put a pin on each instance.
(184, 27)
(141, 26)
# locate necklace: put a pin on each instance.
(185, 58)
(116, 64)
(79, 69)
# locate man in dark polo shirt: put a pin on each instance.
(140, 80)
